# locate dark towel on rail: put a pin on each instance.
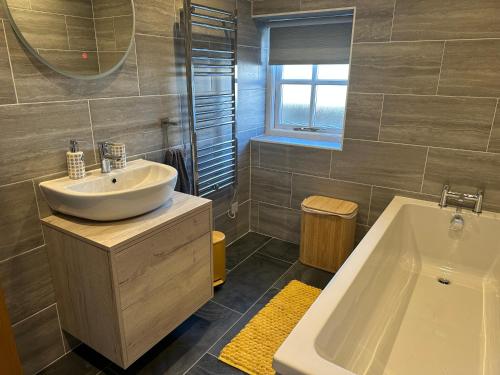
(175, 158)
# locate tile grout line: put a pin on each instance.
(34, 314)
(226, 307)
(241, 317)
(369, 206)
(423, 95)
(92, 132)
(425, 40)
(492, 125)
(381, 115)
(39, 214)
(244, 259)
(21, 254)
(392, 23)
(60, 331)
(425, 168)
(137, 64)
(10, 62)
(440, 68)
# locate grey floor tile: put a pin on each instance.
(81, 361)
(217, 348)
(287, 251)
(247, 282)
(185, 345)
(243, 247)
(308, 275)
(210, 365)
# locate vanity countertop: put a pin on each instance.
(116, 234)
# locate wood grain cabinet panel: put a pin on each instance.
(122, 299)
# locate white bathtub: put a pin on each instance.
(385, 313)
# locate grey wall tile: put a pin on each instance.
(71, 7)
(438, 121)
(38, 340)
(105, 34)
(43, 207)
(157, 65)
(124, 26)
(363, 116)
(27, 283)
(382, 197)
(373, 17)
(251, 68)
(134, 121)
(470, 67)
(243, 184)
(42, 30)
(35, 137)
(7, 93)
(81, 33)
(430, 19)
(234, 228)
(254, 215)
(71, 61)
(244, 147)
(279, 222)
(155, 17)
(494, 145)
(19, 225)
(271, 186)
(397, 68)
(251, 109)
(255, 153)
(295, 159)
(382, 164)
(110, 8)
(249, 33)
(275, 6)
(361, 231)
(465, 171)
(304, 186)
(38, 83)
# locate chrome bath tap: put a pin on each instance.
(462, 198)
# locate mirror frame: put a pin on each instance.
(32, 51)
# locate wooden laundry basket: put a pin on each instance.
(328, 230)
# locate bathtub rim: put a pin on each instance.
(298, 354)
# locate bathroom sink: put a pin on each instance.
(123, 193)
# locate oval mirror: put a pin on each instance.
(84, 39)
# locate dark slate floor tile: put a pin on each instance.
(210, 365)
(81, 361)
(247, 282)
(287, 251)
(217, 348)
(308, 275)
(243, 247)
(185, 345)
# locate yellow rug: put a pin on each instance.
(252, 350)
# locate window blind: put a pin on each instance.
(311, 43)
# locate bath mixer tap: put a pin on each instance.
(462, 198)
(106, 157)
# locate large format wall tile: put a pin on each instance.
(382, 164)
(157, 65)
(27, 283)
(34, 137)
(155, 17)
(73, 8)
(431, 19)
(295, 159)
(470, 67)
(275, 6)
(38, 83)
(363, 113)
(396, 68)
(381, 198)
(234, 229)
(134, 121)
(249, 33)
(248, 115)
(38, 340)
(438, 121)
(304, 186)
(494, 145)
(271, 186)
(465, 171)
(7, 93)
(81, 34)
(251, 68)
(19, 225)
(373, 17)
(279, 222)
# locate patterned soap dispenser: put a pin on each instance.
(76, 161)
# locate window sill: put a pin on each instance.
(312, 143)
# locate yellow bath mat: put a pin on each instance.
(252, 350)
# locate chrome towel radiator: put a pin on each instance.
(214, 157)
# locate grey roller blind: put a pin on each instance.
(326, 43)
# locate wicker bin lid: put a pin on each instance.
(329, 206)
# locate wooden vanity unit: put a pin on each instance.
(123, 286)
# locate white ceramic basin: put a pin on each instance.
(139, 188)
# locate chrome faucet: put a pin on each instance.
(462, 198)
(106, 156)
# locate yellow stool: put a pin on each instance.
(219, 257)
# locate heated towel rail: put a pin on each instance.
(212, 114)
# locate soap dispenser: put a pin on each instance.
(76, 161)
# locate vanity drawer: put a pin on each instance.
(155, 303)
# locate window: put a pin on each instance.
(310, 97)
